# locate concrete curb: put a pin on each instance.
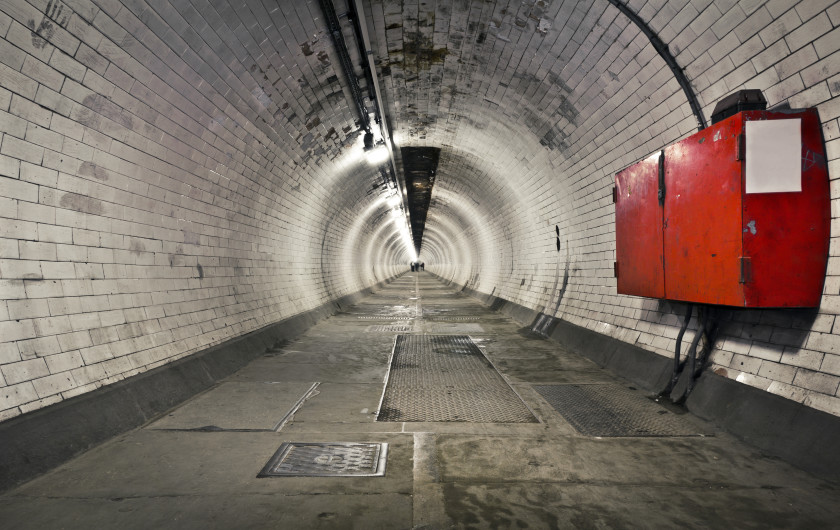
(36, 442)
(797, 434)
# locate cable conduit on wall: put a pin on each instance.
(669, 59)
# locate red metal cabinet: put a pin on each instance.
(724, 234)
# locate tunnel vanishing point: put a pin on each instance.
(186, 185)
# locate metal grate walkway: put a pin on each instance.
(440, 378)
(612, 411)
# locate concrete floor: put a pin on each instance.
(439, 475)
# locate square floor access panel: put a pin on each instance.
(446, 378)
(301, 459)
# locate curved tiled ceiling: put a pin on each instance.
(525, 99)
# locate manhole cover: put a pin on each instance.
(296, 459)
(441, 378)
(611, 410)
(394, 328)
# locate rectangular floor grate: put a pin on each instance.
(392, 328)
(383, 317)
(611, 410)
(297, 459)
(446, 378)
(455, 327)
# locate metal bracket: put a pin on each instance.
(615, 194)
(740, 148)
(615, 268)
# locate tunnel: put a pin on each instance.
(210, 217)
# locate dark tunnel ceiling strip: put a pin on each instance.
(665, 53)
(419, 167)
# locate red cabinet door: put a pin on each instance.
(702, 226)
(638, 230)
(786, 234)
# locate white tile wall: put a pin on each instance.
(168, 180)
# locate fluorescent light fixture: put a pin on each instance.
(377, 155)
(401, 223)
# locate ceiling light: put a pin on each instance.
(377, 155)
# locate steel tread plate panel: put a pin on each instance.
(611, 410)
(446, 378)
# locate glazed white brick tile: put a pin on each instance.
(803, 358)
(42, 288)
(831, 364)
(30, 112)
(834, 14)
(41, 347)
(794, 393)
(808, 32)
(778, 372)
(822, 402)
(16, 395)
(23, 309)
(810, 8)
(823, 383)
(754, 380)
(23, 371)
(22, 150)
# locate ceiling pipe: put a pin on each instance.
(334, 27)
(380, 109)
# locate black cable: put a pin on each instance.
(676, 375)
(692, 359)
(344, 56)
(669, 59)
